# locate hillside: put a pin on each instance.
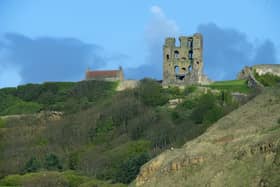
(240, 149)
(97, 133)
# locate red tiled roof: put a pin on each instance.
(108, 73)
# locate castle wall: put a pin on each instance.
(267, 68)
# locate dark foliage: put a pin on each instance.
(129, 168)
(52, 162)
(32, 165)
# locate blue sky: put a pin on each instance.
(56, 40)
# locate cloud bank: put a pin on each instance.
(226, 51)
(49, 59)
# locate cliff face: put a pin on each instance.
(241, 149)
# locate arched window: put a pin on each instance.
(167, 57)
(176, 69)
(190, 54)
(176, 54)
(190, 68)
(190, 43)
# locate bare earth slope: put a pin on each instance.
(241, 149)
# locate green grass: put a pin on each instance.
(230, 85)
(2, 123)
(43, 178)
(22, 107)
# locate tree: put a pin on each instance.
(151, 93)
(130, 168)
(32, 165)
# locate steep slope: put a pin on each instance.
(241, 149)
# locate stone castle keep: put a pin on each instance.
(183, 64)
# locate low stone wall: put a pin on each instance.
(261, 69)
(127, 84)
(267, 68)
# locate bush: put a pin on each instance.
(32, 165)
(52, 162)
(130, 168)
(212, 115)
(278, 121)
(207, 109)
(151, 93)
(187, 104)
(73, 161)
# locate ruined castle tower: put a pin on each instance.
(183, 64)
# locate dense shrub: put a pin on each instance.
(32, 165)
(130, 168)
(73, 161)
(52, 162)
(188, 104)
(207, 109)
(151, 93)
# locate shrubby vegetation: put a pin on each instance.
(267, 79)
(103, 134)
(55, 179)
(61, 96)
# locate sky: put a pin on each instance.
(51, 40)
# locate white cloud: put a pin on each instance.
(9, 77)
(160, 26)
(156, 10)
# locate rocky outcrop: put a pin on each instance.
(241, 149)
(43, 115)
(262, 69)
(248, 74)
